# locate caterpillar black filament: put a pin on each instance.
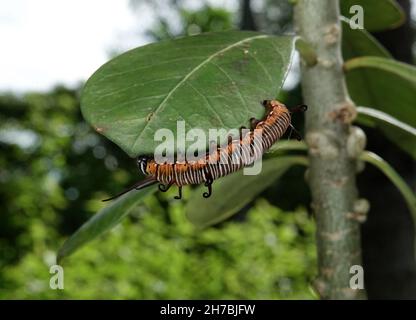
(222, 161)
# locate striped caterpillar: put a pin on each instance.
(222, 161)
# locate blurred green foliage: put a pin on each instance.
(52, 165)
(207, 19)
(271, 255)
(54, 170)
(52, 185)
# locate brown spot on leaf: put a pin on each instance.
(99, 129)
(241, 64)
(149, 116)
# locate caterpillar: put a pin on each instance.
(221, 161)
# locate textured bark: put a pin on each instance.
(332, 149)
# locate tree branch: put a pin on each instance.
(333, 149)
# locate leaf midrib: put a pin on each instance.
(187, 76)
(380, 115)
(400, 69)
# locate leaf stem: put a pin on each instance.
(306, 51)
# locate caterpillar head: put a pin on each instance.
(142, 164)
(273, 104)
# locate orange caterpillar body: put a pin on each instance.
(222, 161)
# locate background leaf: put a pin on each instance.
(400, 132)
(402, 70)
(233, 192)
(213, 80)
(391, 89)
(103, 221)
(407, 193)
(288, 145)
(378, 14)
(359, 42)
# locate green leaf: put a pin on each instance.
(288, 145)
(103, 221)
(398, 131)
(390, 87)
(402, 70)
(395, 178)
(358, 42)
(212, 80)
(362, 87)
(378, 14)
(233, 192)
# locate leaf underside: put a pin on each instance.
(213, 80)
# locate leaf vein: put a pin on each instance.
(194, 70)
(208, 103)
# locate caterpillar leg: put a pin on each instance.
(241, 130)
(208, 194)
(208, 184)
(179, 196)
(253, 123)
(298, 136)
(164, 188)
(299, 108)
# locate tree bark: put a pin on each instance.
(333, 149)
